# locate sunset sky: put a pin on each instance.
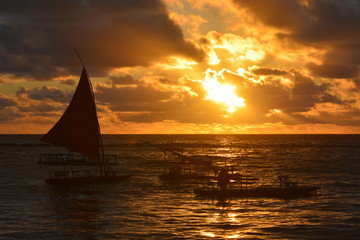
(184, 66)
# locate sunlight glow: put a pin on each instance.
(177, 63)
(241, 49)
(221, 93)
(213, 58)
(274, 112)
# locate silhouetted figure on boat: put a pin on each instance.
(286, 183)
(223, 178)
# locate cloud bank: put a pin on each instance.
(37, 37)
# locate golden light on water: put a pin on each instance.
(208, 234)
(221, 93)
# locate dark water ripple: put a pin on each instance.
(147, 208)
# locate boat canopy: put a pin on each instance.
(78, 129)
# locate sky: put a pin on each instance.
(184, 66)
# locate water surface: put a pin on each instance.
(147, 208)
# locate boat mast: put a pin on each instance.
(93, 96)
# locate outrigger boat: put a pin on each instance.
(185, 167)
(195, 167)
(286, 189)
(200, 172)
(78, 130)
(188, 171)
(184, 159)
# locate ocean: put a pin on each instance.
(146, 207)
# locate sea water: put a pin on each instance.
(146, 207)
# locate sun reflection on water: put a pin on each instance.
(208, 234)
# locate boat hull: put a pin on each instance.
(86, 180)
(285, 193)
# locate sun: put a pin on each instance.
(221, 93)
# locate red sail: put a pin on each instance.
(78, 129)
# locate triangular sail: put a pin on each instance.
(78, 129)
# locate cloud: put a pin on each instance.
(41, 108)
(45, 93)
(6, 102)
(140, 98)
(9, 113)
(37, 38)
(122, 79)
(308, 21)
(329, 25)
(70, 82)
(268, 71)
(334, 70)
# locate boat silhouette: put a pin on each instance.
(285, 189)
(78, 130)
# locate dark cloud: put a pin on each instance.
(142, 117)
(122, 80)
(348, 118)
(138, 98)
(283, 14)
(41, 108)
(45, 93)
(6, 102)
(9, 114)
(309, 21)
(334, 70)
(304, 85)
(70, 82)
(234, 79)
(37, 37)
(268, 71)
(329, 24)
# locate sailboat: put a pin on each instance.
(78, 130)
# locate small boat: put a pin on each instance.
(78, 130)
(195, 167)
(285, 190)
(184, 159)
(188, 171)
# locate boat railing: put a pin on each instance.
(75, 160)
(233, 184)
(78, 173)
(177, 170)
